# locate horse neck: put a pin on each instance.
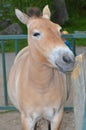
(41, 74)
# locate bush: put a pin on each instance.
(7, 8)
(76, 7)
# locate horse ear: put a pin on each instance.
(22, 16)
(46, 12)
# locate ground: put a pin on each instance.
(11, 120)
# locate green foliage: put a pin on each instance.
(76, 7)
(75, 24)
(10, 46)
(7, 8)
(24, 4)
(76, 10)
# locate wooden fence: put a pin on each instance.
(79, 92)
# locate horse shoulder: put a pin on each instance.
(15, 74)
(21, 54)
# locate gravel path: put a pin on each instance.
(11, 120)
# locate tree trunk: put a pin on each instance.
(60, 14)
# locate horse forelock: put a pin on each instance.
(34, 11)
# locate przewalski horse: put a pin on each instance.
(36, 82)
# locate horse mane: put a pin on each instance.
(34, 11)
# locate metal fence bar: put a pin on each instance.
(13, 108)
(7, 108)
(23, 36)
(13, 37)
(16, 46)
(74, 45)
(4, 73)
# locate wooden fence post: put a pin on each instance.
(78, 83)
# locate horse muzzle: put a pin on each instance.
(66, 64)
(63, 59)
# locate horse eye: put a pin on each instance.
(36, 34)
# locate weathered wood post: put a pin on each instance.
(79, 83)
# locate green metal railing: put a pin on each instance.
(3, 38)
(16, 38)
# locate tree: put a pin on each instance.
(60, 15)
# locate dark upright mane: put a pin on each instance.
(33, 11)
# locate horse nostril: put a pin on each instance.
(67, 59)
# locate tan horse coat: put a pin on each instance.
(36, 86)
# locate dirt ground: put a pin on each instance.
(11, 120)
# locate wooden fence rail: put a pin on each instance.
(79, 92)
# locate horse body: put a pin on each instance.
(36, 83)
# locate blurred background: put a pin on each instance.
(70, 14)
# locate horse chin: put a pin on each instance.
(63, 69)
